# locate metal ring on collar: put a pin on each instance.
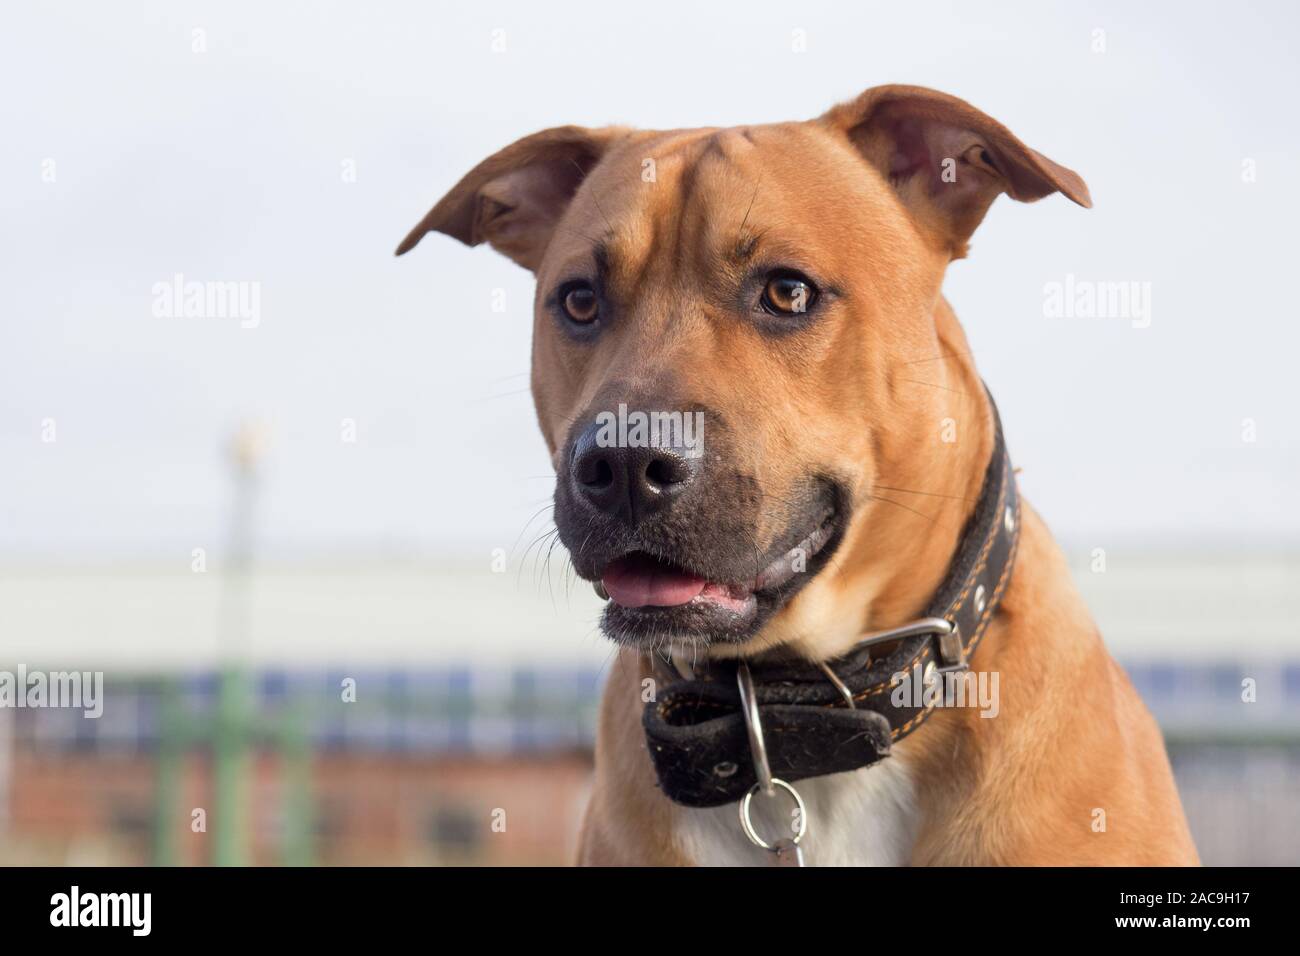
(747, 824)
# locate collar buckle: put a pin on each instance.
(951, 649)
(952, 652)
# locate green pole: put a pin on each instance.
(230, 768)
(167, 786)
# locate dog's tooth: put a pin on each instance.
(600, 590)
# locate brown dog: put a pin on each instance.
(783, 284)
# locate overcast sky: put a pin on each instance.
(290, 146)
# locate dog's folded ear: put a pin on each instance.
(947, 160)
(514, 198)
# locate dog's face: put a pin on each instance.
(725, 322)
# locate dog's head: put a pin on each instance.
(738, 353)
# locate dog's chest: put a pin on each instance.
(867, 817)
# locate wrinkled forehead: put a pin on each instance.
(706, 201)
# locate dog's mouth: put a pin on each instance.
(642, 580)
(653, 597)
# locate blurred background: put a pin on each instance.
(301, 530)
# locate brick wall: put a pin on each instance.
(382, 809)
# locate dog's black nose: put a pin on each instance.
(630, 482)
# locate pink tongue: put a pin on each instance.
(639, 583)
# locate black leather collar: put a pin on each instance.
(695, 731)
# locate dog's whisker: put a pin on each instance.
(493, 398)
(936, 358)
(928, 494)
(571, 575)
(506, 378)
(523, 558)
(523, 561)
(897, 504)
(550, 588)
(528, 523)
(544, 563)
(916, 381)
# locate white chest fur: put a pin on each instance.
(867, 817)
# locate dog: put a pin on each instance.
(782, 285)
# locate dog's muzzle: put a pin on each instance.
(841, 715)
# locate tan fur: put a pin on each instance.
(861, 394)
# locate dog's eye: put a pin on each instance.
(788, 293)
(578, 299)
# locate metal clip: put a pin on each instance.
(785, 852)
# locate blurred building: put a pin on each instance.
(463, 732)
